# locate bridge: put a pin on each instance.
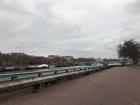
(113, 86)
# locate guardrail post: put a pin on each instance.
(80, 69)
(55, 72)
(13, 77)
(74, 69)
(39, 74)
(67, 70)
(85, 69)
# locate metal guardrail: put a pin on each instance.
(47, 72)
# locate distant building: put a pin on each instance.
(20, 59)
(53, 56)
(99, 60)
(68, 58)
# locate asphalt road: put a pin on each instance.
(116, 86)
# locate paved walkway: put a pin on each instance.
(116, 86)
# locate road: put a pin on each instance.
(116, 86)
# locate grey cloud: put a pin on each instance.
(131, 23)
(133, 7)
(43, 27)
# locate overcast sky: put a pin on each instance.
(81, 28)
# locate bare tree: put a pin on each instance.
(129, 49)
